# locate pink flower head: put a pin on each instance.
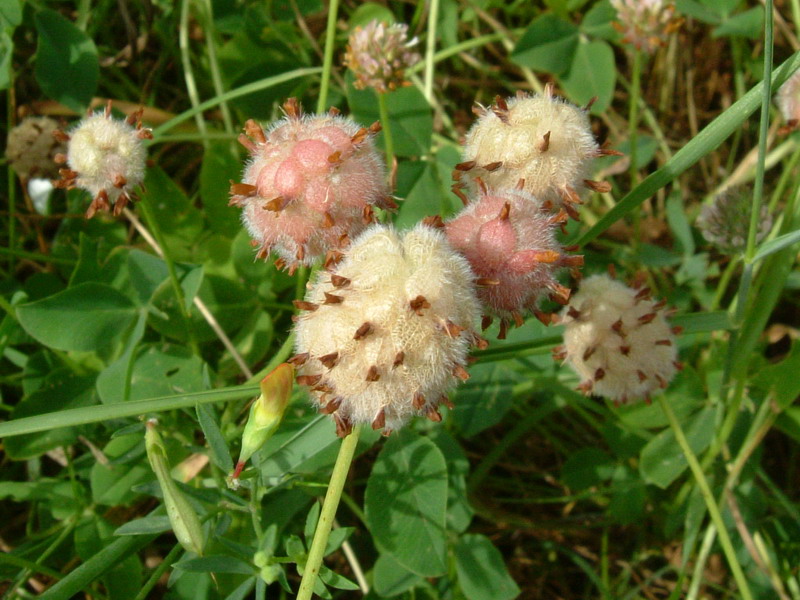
(645, 23)
(379, 54)
(509, 240)
(310, 184)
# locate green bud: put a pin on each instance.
(266, 413)
(183, 518)
(270, 573)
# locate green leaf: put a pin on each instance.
(482, 573)
(548, 44)
(10, 14)
(748, 24)
(703, 322)
(216, 564)
(87, 317)
(111, 483)
(66, 66)
(114, 382)
(459, 511)
(406, 501)
(218, 448)
(776, 245)
(597, 22)
(369, 11)
(592, 74)
(676, 218)
(662, 460)
(145, 526)
(220, 166)
(6, 52)
(391, 578)
(179, 220)
(586, 468)
(146, 272)
(782, 378)
(484, 400)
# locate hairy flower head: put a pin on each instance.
(378, 54)
(510, 242)
(726, 221)
(645, 24)
(31, 148)
(384, 334)
(788, 99)
(538, 143)
(617, 340)
(310, 184)
(106, 157)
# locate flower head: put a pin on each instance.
(379, 54)
(726, 221)
(31, 148)
(385, 333)
(106, 157)
(541, 144)
(617, 340)
(509, 240)
(644, 23)
(310, 184)
(788, 99)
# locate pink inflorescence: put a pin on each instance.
(310, 185)
(378, 54)
(509, 239)
(646, 24)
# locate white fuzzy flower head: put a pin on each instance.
(106, 157)
(378, 54)
(788, 99)
(384, 334)
(310, 184)
(617, 340)
(31, 148)
(726, 221)
(541, 144)
(645, 24)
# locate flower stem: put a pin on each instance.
(335, 486)
(383, 107)
(708, 497)
(327, 58)
(430, 48)
(633, 126)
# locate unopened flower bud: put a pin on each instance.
(726, 221)
(182, 516)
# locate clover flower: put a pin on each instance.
(31, 148)
(617, 340)
(541, 144)
(726, 221)
(788, 99)
(645, 24)
(509, 240)
(310, 185)
(384, 333)
(106, 157)
(378, 54)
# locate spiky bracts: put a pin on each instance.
(645, 24)
(384, 334)
(378, 54)
(788, 100)
(31, 148)
(540, 143)
(617, 340)
(726, 221)
(310, 184)
(106, 157)
(509, 240)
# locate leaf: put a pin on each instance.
(66, 65)
(180, 222)
(10, 14)
(6, 52)
(216, 564)
(459, 511)
(145, 526)
(485, 398)
(111, 483)
(218, 447)
(703, 322)
(592, 73)
(220, 165)
(748, 24)
(369, 11)
(405, 503)
(586, 468)
(114, 382)
(87, 317)
(662, 461)
(597, 22)
(777, 244)
(391, 578)
(548, 44)
(782, 378)
(146, 272)
(482, 573)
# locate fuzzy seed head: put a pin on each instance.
(106, 156)
(788, 99)
(31, 148)
(617, 340)
(541, 140)
(378, 54)
(726, 221)
(646, 24)
(309, 185)
(398, 338)
(509, 240)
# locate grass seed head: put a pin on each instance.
(399, 338)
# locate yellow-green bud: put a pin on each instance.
(266, 413)
(183, 518)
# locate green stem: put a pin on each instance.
(16, 252)
(386, 128)
(708, 497)
(633, 112)
(723, 283)
(430, 48)
(155, 228)
(335, 486)
(158, 572)
(186, 60)
(327, 59)
(213, 62)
